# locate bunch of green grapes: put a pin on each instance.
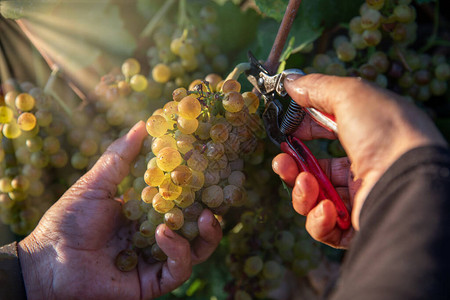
(121, 99)
(32, 131)
(379, 48)
(199, 142)
(183, 54)
(268, 242)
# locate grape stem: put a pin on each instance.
(431, 41)
(48, 89)
(238, 70)
(148, 30)
(273, 60)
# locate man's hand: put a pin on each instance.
(71, 253)
(375, 128)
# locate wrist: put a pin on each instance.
(36, 270)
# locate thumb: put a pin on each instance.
(114, 164)
(322, 92)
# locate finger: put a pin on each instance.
(114, 164)
(337, 170)
(321, 224)
(322, 92)
(310, 129)
(208, 239)
(305, 193)
(178, 267)
(284, 165)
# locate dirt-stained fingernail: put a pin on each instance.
(291, 78)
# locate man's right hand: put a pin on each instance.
(375, 128)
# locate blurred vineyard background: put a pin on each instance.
(73, 59)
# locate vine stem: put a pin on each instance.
(273, 60)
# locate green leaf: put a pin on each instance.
(237, 29)
(272, 8)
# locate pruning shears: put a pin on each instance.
(280, 126)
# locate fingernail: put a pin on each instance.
(318, 211)
(163, 230)
(291, 78)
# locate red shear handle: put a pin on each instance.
(306, 162)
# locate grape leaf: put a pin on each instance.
(237, 29)
(425, 1)
(272, 8)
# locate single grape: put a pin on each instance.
(154, 176)
(147, 228)
(132, 209)
(78, 161)
(272, 269)
(233, 102)
(251, 101)
(355, 25)
(438, 87)
(6, 114)
(404, 13)
(237, 178)
(59, 159)
(138, 83)
(161, 73)
(442, 72)
(51, 145)
(139, 241)
(157, 253)
(168, 159)
(234, 196)
(178, 94)
(148, 193)
(370, 19)
(212, 196)
(372, 37)
(186, 198)
(197, 161)
(189, 107)
(162, 205)
(174, 218)
(380, 61)
(231, 85)
(130, 67)
(203, 129)
(168, 190)
(187, 126)
(184, 142)
(43, 117)
(163, 142)
(198, 180)
(346, 52)
(126, 260)
(190, 230)
(157, 125)
(5, 185)
(181, 175)
(11, 130)
(253, 265)
(24, 102)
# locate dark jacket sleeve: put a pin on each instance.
(403, 248)
(11, 281)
